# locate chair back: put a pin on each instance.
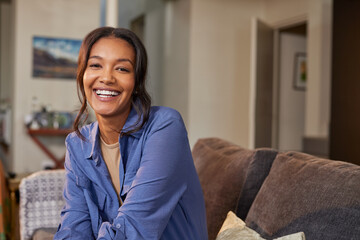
(41, 201)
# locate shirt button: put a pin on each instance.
(118, 225)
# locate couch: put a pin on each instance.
(275, 193)
(278, 193)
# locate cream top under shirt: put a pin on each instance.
(111, 156)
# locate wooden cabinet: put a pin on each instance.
(345, 97)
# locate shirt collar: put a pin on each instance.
(94, 137)
(131, 122)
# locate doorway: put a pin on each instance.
(278, 86)
(291, 87)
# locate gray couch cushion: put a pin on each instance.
(221, 167)
(257, 171)
(304, 193)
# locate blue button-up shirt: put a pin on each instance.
(160, 189)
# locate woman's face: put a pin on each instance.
(109, 78)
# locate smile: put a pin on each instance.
(106, 93)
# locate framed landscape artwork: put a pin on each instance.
(55, 57)
(300, 71)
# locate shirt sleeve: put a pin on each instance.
(75, 217)
(157, 187)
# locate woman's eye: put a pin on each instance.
(122, 69)
(94, 65)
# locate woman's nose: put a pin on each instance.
(107, 77)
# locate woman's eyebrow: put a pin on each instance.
(118, 60)
(125, 60)
(98, 57)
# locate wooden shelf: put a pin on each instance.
(49, 132)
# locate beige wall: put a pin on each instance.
(176, 57)
(153, 12)
(208, 81)
(154, 43)
(279, 12)
(317, 117)
(219, 75)
(66, 19)
(318, 14)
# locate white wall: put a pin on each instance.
(66, 19)
(291, 101)
(219, 80)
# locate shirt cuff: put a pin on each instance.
(114, 231)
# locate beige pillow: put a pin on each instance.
(234, 228)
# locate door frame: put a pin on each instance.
(277, 27)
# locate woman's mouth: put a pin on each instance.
(106, 93)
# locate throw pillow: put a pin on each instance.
(256, 173)
(44, 234)
(318, 196)
(235, 229)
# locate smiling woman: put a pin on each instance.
(109, 81)
(94, 52)
(130, 174)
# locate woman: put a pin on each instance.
(130, 175)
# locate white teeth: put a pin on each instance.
(106, 93)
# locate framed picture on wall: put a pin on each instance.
(55, 57)
(300, 71)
